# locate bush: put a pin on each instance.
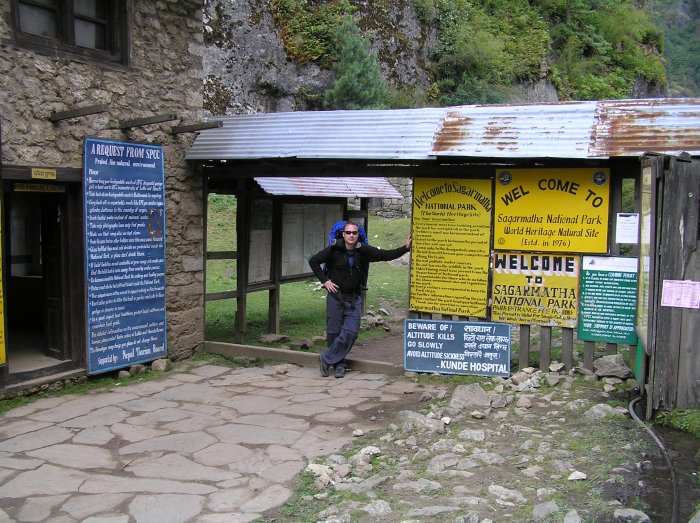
(359, 83)
(474, 91)
(484, 49)
(307, 30)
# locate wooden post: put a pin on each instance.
(273, 305)
(631, 356)
(615, 208)
(524, 355)
(273, 310)
(193, 128)
(545, 347)
(567, 347)
(243, 247)
(205, 242)
(588, 354)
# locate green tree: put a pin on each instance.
(359, 83)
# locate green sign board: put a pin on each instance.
(608, 300)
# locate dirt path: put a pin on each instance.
(386, 347)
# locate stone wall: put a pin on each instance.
(165, 77)
(397, 207)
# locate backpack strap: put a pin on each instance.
(362, 264)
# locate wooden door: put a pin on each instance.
(53, 212)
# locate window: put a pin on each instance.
(84, 28)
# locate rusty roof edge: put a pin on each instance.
(577, 129)
(638, 126)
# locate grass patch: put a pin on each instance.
(221, 222)
(302, 314)
(302, 506)
(684, 420)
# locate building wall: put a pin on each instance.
(165, 77)
(398, 207)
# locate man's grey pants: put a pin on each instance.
(343, 314)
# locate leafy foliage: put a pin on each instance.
(308, 28)
(359, 83)
(590, 49)
(685, 420)
(680, 23)
(602, 47)
(486, 49)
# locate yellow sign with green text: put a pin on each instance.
(552, 210)
(538, 289)
(451, 246)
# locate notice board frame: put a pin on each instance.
(457, 347)
(125, 239)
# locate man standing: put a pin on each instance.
(347, 261)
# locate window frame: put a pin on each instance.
(117, 34)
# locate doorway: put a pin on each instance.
(37, 262)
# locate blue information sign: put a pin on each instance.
(125, 253)
(457, 347)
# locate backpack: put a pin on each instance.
(337, 234)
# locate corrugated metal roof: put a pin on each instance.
(385, 135)
(600, 129)
(634, 127)
(335, 187)
(559, 130)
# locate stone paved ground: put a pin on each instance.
(494, 451)
(545, 447)
(208, 444)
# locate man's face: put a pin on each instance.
(350, 235)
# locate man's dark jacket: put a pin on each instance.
(350, 279)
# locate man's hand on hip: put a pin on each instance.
(330, 286)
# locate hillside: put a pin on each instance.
(276, 55)
(680, 23)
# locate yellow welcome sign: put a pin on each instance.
(552, 210)
(538, 289)
(451, 246)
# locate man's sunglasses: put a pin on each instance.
(350, 232)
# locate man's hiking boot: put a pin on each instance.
(324, 367)
(340, 372)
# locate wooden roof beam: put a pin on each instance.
(214, 124)
(81, 111)
(149, 120)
